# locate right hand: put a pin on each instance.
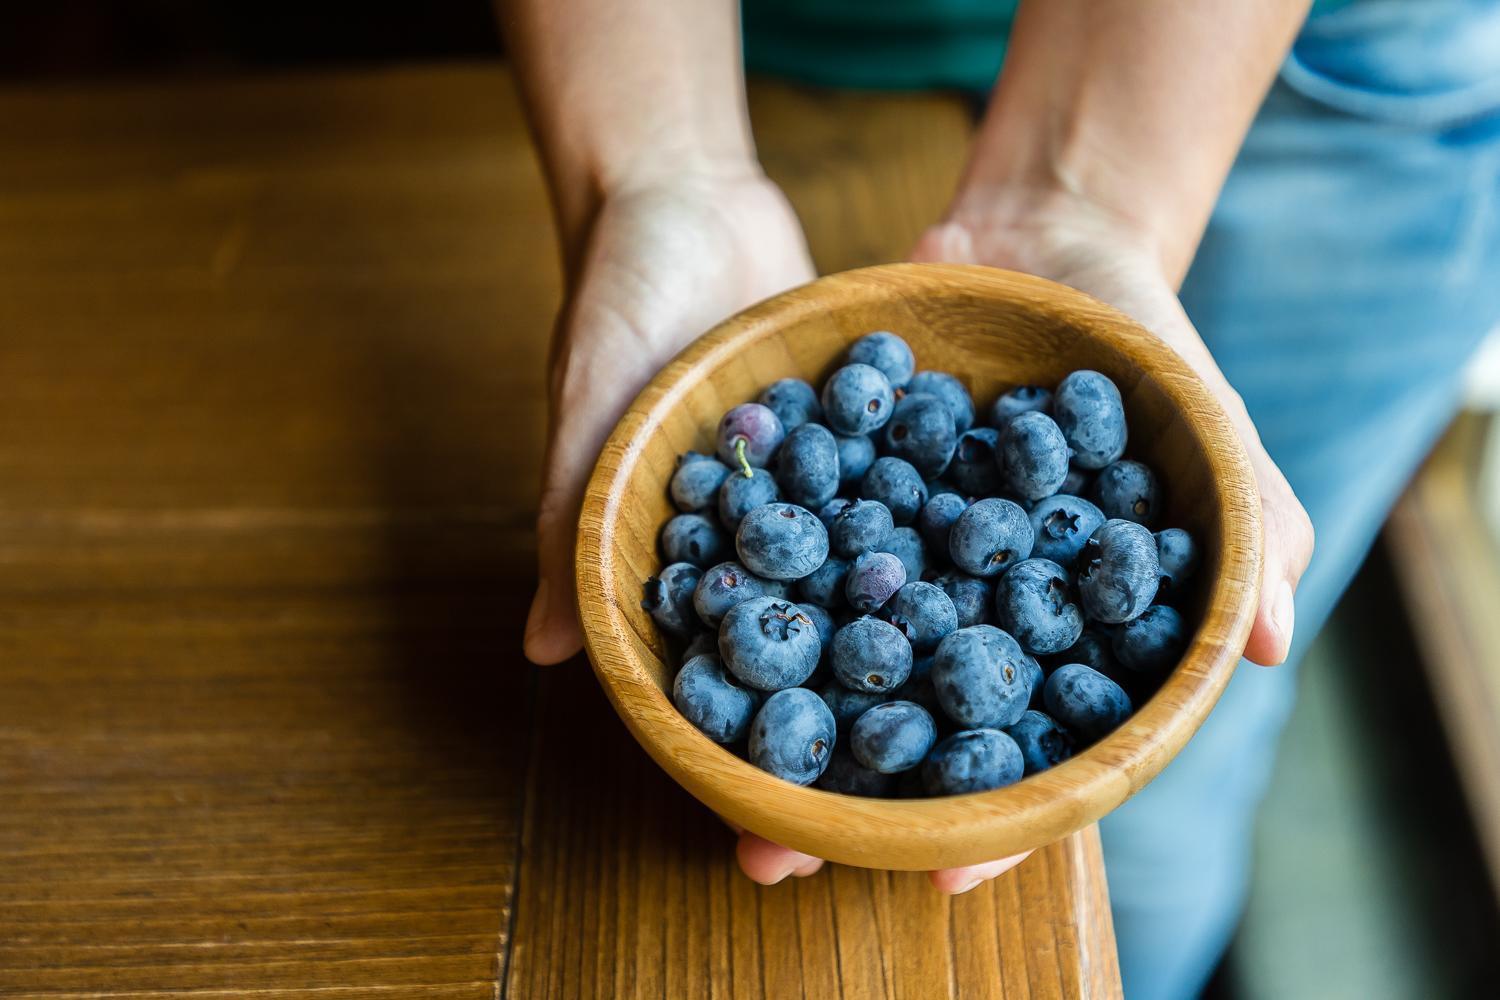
(662, 262)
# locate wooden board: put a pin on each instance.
(1450, 579)
(270, 428)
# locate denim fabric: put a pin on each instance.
(1350, 269)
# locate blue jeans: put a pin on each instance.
(1350, 269)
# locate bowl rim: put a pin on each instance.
(953, 830)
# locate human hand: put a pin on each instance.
(661, 263)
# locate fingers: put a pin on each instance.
(959, 880)
(769, 863)
(1288, 548)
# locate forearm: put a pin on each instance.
(621, 94)
(1136, 109)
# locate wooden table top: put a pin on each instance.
(270, 424)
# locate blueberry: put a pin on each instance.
(693, 538)
(721, 588)
(970, 595)
(887, 352)
(831, 510)
(921, 431)
(1092, 650)
(859, 527)
(1034, 603)
(935, 521)
(1127, 489)
(905, 544)
(951, 391)
(1033, 456)
(990, 537)
(712, 700)
(1036, 679)
(669, 598)
(741, 494)
(975, 468)
(849, 777)
(696, 482)
(781, 541)
(1178, 555)
(974, 760)
(1089, 411)
(923, 613)
(793, 401)
(1153, 642)
(1062, 525)
(807, 466)
(703, 642)
(892, 737)
(822, 621)
(872, 580)
(1021, 399)
(1078, 483)
(749, 435)
(1085, 701)
(1042, 741)
(769, 644)
(897, 484)
(857, 399)
(824, 586)
(792, 736)
(856, 455)
(871, 655)
(981, 678)
(920, 689)
(1120, 572)
(847, 704)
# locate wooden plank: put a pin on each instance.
(1450, 580)
(269, 449)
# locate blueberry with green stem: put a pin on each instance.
(749, 435)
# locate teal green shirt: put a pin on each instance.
(884, 44)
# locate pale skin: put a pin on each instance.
(1107, 140)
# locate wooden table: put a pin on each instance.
(270, 419)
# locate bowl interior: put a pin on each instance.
(993, 330)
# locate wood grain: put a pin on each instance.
(269, 440)
(1450, 580)
(993, 329)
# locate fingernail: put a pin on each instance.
(780, 876)
(538, 613)
(1284, 613)
(972, 885)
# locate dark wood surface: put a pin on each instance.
(270, 423)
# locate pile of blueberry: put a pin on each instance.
(878, 595)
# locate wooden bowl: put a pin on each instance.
(993, 329)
